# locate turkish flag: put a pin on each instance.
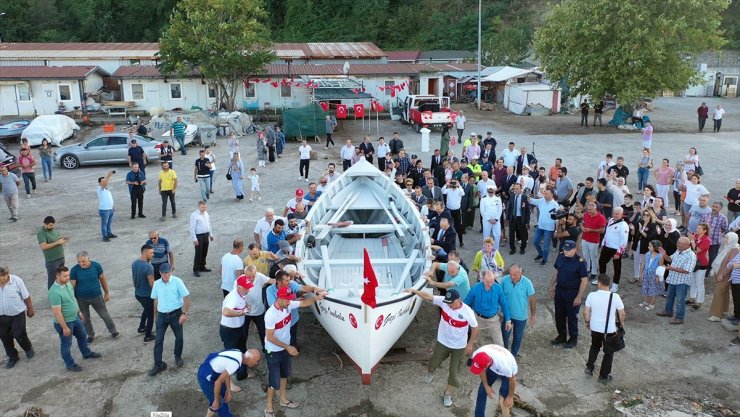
(341, 111)
(378, 106)
(359, 110)
(324, 105)
(370, 282)
(393, 92)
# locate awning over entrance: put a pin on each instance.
(322, 94)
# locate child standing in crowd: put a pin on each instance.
(255, 180)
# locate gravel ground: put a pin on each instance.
(689, 368)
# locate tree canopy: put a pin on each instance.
(225, 40)
(628, 48)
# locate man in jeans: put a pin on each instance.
(202, 174)
(680, 277)
(142, 273)
(52, 246)
(105, 207)
(545, 224)
(9, 183)
(597, 305)
(87, 279)
(594, 224)
(68, 320)
(171, 305)
(178, 132)
(167, 186)
(519, 293)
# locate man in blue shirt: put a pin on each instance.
(455, 278)
(136, 180)
(163, 254)
(171, 305)
(567, 286)
(487, 300)
(178, 132)
(519, 294)
(276, 235)
(142, 274)
(87, 278)
(545, 224)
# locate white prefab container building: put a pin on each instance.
(28, 90)
(518, 96)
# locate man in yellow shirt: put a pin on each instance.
(260, 259)
(167, 185)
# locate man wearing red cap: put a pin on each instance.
(497, 363)
(233, 310)
(293, 202)
(452, 336)
(279, 351)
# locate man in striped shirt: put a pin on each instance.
(178, 132)
(680, 277)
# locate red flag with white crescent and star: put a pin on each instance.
(359, 110)
(370, 282)
(341, 111)
(324, 105)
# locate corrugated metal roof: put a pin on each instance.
(145, 71)
(445, 55)
(78, 50)
(402, 55)
(81, 46)
(49, 73)
(328, 50)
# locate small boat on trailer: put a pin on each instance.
(364, 210)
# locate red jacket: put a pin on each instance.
(703, 112)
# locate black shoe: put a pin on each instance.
(571, 343)
(93, 355)
(558, 340)
(157, 369)
(148, 339)
(30, 354)
(142, 216)
(543, 263)
(140, 330)
(115, 335)
(462, 245)
(179, 362)
(521, 252)
(588, 371)
(105, 239)
(75, 368)
(605, 380)
(133, 216)
(512, 251)
(204, 269)
(90, 338)
(196, 273)
(537, 258)
(174, 216)
(11, 363)
(112, 236)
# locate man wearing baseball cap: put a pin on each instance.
(452, 336)
(233, 309)
(497, 363)
(277, 345)
(293, 202)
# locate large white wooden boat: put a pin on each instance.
(364, 209)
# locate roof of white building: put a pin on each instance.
(49, 73)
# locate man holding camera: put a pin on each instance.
(136, 180)
(105, 207)
(454, 203)
(547, 215)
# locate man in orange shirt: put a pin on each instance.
(555, 169)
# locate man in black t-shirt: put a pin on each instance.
(620, 169)
(733, 199)
(202, 173)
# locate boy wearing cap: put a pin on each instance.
(497, 363)
(279, 351)
(452, 336)
(171, 305)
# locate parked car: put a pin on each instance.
(108, 148)
(55, 127)
(9, 160)
(13, 129)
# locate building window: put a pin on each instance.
(24, 92)
(211, 91)
(286, 91)
(389, 87)
(250, 90)
(65, 92)
(137, 91)
(134, 62)
(175, 91)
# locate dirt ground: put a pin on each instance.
(665, 369)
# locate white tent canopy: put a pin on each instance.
(506, 73)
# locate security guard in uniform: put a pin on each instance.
(568, 283)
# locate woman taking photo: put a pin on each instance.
(645, 232)
(700, 245)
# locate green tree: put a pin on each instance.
(628, 48)
(225, 40)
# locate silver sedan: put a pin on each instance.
(108, 148)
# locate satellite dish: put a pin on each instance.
(345, 69)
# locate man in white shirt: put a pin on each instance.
(509, 155)
(105, 207)
(214, 376)
(277, 343)
(331, 173)
(498, 363)
(454, 194)
(491, 208)
(346, 153)
(613, 245)
(255, 306)
(604, 166)
(233, 309)
(232, 266)
(717, 117)
(595, 313)
(201, 234)
(525, 179)
(304, 152)
(263, 227)
(452, 336)
(383, 150)
(460, 125)
(293, 202)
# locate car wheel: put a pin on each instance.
(417, 127)
(70, 161)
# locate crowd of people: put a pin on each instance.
(484, 309)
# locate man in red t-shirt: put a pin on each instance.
(593, 226)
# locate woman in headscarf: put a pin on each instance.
(488, 259)
(669, 240)
(721, 296)
(236, 170)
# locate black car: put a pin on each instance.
(9, 160)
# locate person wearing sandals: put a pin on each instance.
(651, 286)
(700, 245)
(721, 295)
(601, 312)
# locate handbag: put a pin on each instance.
(613, 342)
(698, 169)
(228, 174)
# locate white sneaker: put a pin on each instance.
(306, 179)
(594, 282)
(643, 304)
(300, 178)
(615, 287)
(714, 318)
(447, 401)
(429, 378)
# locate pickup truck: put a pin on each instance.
(425, 110)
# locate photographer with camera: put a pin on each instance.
(136, 180)
(454, 194)
(568, 228)
(105, 207)
(547, 207)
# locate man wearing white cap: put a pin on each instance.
(490, 211)
(497, 363)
